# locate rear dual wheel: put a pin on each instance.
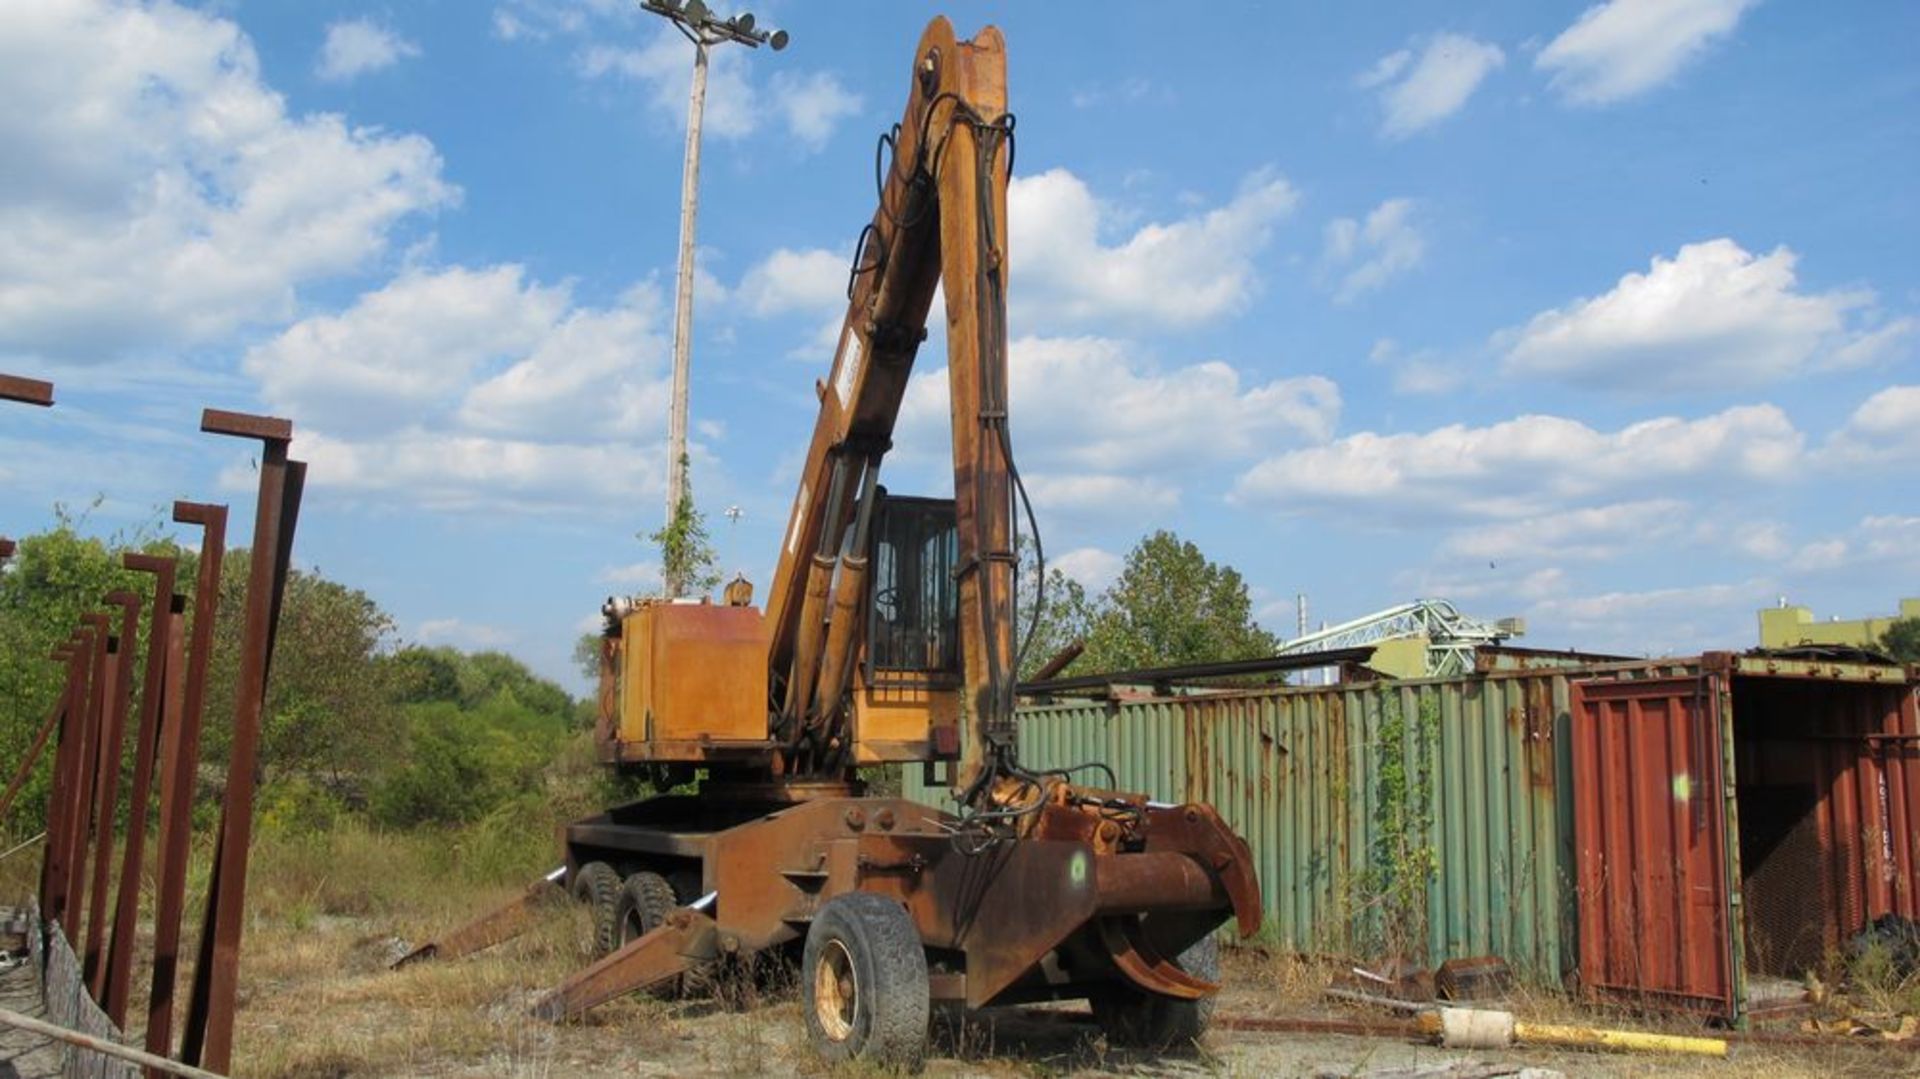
(599, 887)
(863, 982)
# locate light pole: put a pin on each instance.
(700, 26)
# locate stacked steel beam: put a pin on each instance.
(80, 897)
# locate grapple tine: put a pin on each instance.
(494, 927)
(1198, 831)
(671, 948)
(1145, 966)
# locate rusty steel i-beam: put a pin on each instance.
(77, 653)
(27, 391)
(179, 763)
(107, 787)
(119, 970)
(85, 776)
(207, 1039)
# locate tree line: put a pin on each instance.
(361, 724)
(357, 722)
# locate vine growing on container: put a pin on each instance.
(1402, 859)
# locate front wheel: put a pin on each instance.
(1134, 1018)
(863, 980)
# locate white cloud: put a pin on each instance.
(1099, 495)
(1364, 255)
(1151, 429)
(1588, 533)
(1490, 589)
(450, 471)
(1146, 418)
(1092, 567)
(447, 387)
(664, 67)
(404, 348)
(356, 46)
(1661, 621)
(1421, 372)
(1128, 90)
(1885, 428)
(1524, 467)
(1765, 540)
(464, 634)
(812, 104)
(1416, 94)
(644, 576)
(812, 281)
(1880, 547)
(1712, 317)
(539, 20)
(155, 191)
(1871, 347)
(1384, 70)
(1622, 48)
(1172, 274)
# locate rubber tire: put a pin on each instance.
(598, 886)
(1135, 1019)
(645, 901)
(891, 1005)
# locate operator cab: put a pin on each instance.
(913, 631)
(906, 691)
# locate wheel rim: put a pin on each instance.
(836, 992)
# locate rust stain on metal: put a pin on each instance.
(1195, 731)
(1537, 734)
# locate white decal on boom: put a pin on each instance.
(793, 526)
(849, 370)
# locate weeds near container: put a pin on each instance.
(1875, 980)
(1402, 861)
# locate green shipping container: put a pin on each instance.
(1423, 818)
(1663, 829)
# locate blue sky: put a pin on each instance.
(1604, 315)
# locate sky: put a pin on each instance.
(1606, 316)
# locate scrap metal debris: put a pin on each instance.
(1457, 1069)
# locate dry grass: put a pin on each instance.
(1270, 983)
(326, 913)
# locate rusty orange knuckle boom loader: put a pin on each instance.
(888, 638)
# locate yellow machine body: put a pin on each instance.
(691, 684)
(688, 683)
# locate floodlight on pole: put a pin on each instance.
(700, 25)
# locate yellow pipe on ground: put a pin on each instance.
(1625, 1040)
(1476, 1028)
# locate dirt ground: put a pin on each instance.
(320, 1003)
(24, 1055)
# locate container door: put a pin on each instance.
(1650, 831)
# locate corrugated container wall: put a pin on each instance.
(1419, 817)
